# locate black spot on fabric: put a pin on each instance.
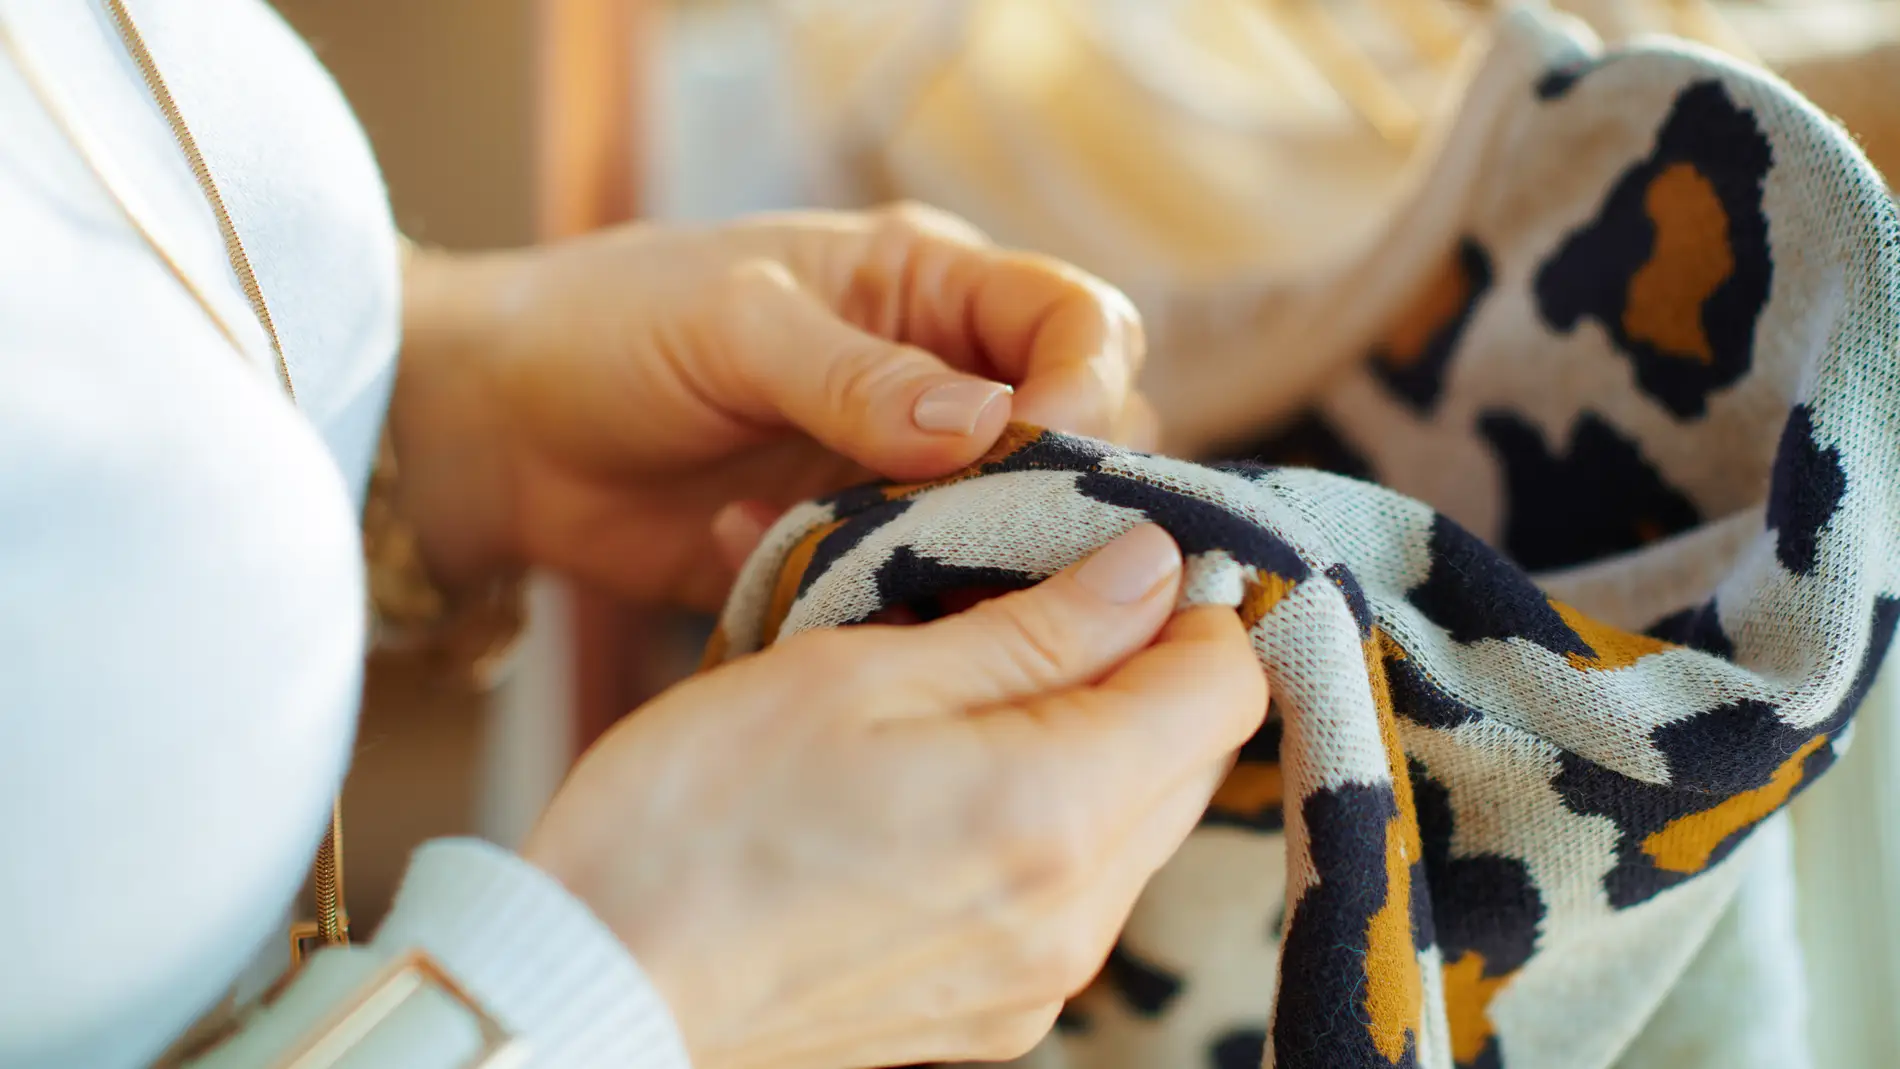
(1483, 904)
(1319, 1015)
(1309, 441)
(1729, 749)
(1558, 81)
(1342, 577)
(1600, 497)
(1439, 319)
(1638, 809)
(855, 499)
(841, 541)
(1698, 627)
(1049, 451)
(1879, 641)
(1074, 1021)
(1147, 989)
(1250, 470)
(1416, 698)
(1474, 593)
(1424, 927)
(924, 585)
(1197, 525)
(1262, 749)
(1712, 756)
(1737, 747)
(1486, 903)
(1488, 1058)
(1708, 147)
(1241, 1049)
(1804, 492)
(1264, 746)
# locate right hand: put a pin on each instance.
(886, 845)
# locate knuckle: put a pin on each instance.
(821, 657)
(1047, 844)
(914, 216)
(741, 299)
(1237, 673)
(1013, 1035)
(914, 219)
(744, 281)
(1034, 644)
(905, 212)
(1134, 336)
(1066, 958)
(858, 373)
(1075, 959)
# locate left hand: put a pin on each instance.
(635, 406)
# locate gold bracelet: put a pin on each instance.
(466, 633)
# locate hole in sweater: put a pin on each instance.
(935, 606)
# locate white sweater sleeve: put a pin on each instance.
(516, 942)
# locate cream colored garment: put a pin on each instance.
(1216, 164)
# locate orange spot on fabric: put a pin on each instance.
(1685, 844)
(1690, 259)
(1395, 994)
(1015, 438)
(1263, 591)
(1468, 995)
(1252, 788)
(1430, 312)
(1614, 647)
(790, 574)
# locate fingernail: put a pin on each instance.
(1128, 568)
(737, 532)
(955, 407)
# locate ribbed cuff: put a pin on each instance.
(534, 956)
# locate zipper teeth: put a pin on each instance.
(333, 921)
(234, 248)
(112, 184)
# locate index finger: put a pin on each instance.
(1071, 343)
(1068, 341)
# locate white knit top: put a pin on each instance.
(181, 589)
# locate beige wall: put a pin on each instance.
(442, 86)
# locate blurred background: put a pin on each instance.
(1177, 147)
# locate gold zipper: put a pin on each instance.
(233, 247)
(332, 923)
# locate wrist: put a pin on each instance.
(445, 428)
(670, 948)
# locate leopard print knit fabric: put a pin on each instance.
(1563, 591)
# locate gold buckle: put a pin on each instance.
(379, 1000)
(306, 937)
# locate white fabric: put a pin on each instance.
(520, 946)
(181, 590)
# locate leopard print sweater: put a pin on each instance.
(1600, 565)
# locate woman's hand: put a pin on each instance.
(593, 406)
(879, 845)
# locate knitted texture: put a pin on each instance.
(1630, 571)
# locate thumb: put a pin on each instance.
(1071, 629)
(895, 409)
